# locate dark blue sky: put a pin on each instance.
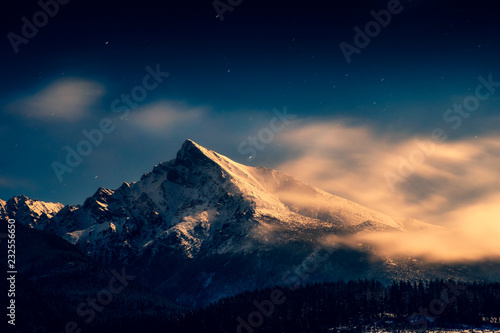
(225, 78)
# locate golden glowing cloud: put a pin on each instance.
(454, 183)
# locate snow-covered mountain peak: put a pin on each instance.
(31, 211)
(201, 190)
(189, 146)
(192, 153)
(202, 208)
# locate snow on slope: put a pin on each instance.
(40, 207)
(26, 209)
(3, 209)
(275, 193)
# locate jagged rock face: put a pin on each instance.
(201, 227)
(31, 212)
(203, 199)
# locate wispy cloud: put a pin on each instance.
(162, 116)
(11, 183)
(66, 100)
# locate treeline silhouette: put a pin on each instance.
(354, 306)
(351, 306)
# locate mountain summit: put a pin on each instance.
(201, 227)
(193, 152)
